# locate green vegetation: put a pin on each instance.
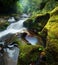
(3, 24)
(27, 6)
(38, 6)
(29, 53)
(43, 22)
(52, 38)
(51, 27)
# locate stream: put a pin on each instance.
(11, 52)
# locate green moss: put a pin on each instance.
(54, 11)
(52, 53)
(52, 38)
(29, 53)
(52, 26)
(36, 23)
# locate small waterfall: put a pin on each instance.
(18, 25)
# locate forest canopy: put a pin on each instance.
(27, 6)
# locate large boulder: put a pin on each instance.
(52, 27)
(52, 38)
(35, 23)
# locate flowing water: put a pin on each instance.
(14, 28)
(11, 55)
(12, 52)
(11, 20)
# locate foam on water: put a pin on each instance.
(12, 19)
(14, 28)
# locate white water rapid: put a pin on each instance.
(14, 28)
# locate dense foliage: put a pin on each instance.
(38, 6)
(27, 6)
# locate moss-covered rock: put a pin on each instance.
(52, 38)
(35, 23)
(50, 34)
(52, 54)
(52, 27)
(29, 53)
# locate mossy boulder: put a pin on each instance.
(52, 54)
(52, 27)
(29, 53)
(52, 38)
(35, 23)
(51, 48)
